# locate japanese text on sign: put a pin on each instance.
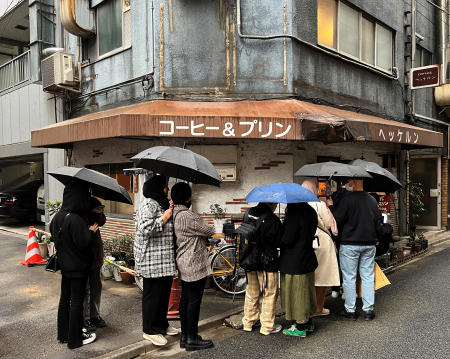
(384, 204)
(251, 129)
(399, 136)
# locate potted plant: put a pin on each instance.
(416, 206)
(219, 216)
(122, 250)
(53, 207)
(396, 252)
(42, 241)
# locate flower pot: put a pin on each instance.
(425, 244)
(218, 224)
(127, 278)
(418, 247)
(406, 251)
(51, 248)
(116, 271)
(43, 250)
(397, 255)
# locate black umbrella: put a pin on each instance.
(382, 180)
(102, 185)
(178, 163)
(332, 170)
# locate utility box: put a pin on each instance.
(59, 73)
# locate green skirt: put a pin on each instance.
(298, 296)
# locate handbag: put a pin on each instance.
(52, 264)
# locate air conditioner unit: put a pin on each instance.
(59, 73)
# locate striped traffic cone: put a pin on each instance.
(33, 254)
(174, 300)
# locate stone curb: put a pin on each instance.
(144, 346)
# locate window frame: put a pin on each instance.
(124, 46)
(359, 59)
(422, 50)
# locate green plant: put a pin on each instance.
(40, 237)
(121, 247)
(53, 207)
(218, 211)
(416, 206)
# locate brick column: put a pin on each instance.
(444, 192)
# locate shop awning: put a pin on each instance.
(269, 119)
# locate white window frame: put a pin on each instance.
(359, 57)
(119, 49)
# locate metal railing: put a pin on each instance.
(15, 72)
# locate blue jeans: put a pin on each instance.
(350, 256)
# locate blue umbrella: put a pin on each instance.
(281, 193)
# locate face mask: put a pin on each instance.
(348, 188)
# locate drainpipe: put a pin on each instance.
(442, 38)
(413, 54)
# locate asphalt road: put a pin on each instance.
(413, 321)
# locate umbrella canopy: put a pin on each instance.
(281, 193)
(382, 180)
(333, 170)
(178, 163)
(102, 186)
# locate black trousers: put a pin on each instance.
(191, 299)
(155, 303)
(70, 311)
(93, 294)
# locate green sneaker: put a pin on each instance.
(310, 327)
(294, 332)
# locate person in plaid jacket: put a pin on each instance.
(155, 258)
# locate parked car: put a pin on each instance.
(29, 204)
(6, 202)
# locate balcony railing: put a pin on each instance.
(15, 72)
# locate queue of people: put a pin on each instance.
(308, 262)
(171, 238)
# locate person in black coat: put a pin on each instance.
(297, 265)
(265, 271)
(73, 240)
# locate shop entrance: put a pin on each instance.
(427, 171)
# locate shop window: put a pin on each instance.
(113, 26)
(358, 36)
(116, 171)
(423, 57)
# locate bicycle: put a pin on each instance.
(228, 277)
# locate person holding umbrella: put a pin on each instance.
(73, 240)
(155, 258)
(193, 265)
(297, 265)
(327, 272)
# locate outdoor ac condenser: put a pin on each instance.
(59, 73)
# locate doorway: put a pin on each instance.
(427, 171)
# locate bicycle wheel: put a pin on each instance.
(227, 279)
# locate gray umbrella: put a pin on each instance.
(382, 180)
(178, 163)
(332, 170)
(102, 185)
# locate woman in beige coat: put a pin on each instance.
(327, 273)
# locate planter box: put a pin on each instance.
(383, 260)
(43, 250)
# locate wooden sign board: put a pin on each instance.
(426, 76)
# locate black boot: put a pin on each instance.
(198, 344)
(183, 340)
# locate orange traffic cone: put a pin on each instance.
(33, 254)
(174, 300)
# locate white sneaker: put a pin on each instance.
(156, 339)
(277, 329)
(334, 294)
(172, 331)
(88, 338)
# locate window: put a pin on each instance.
(113, 25)
(423, 57)
(354, 34)
(115, 170)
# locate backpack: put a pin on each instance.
(249, 251)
